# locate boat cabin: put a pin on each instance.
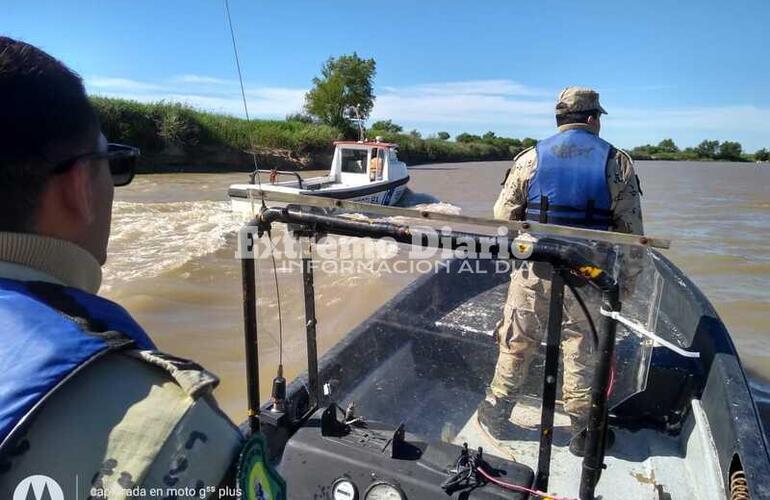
(357, 162)
(367, 171)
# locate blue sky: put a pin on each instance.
(687, 69)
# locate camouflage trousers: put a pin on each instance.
(522, 330)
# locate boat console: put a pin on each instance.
(331, 457)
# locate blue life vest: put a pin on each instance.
(569, 187)
(50, 332)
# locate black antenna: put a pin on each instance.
(255, 173)
(248, 270)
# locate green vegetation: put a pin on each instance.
(387, 126)
(173, 134)
(413, 149)
(706, 150)
(345, 82)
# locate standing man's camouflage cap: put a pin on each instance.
(576, 99)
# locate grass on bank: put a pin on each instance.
(159, 127)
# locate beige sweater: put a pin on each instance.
(135, 419)
(31, 257)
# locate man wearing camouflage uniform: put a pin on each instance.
(591, 184)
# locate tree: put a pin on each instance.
(466, 137)
(345, 82)
(387, 126)
(762, 155)
(488, 137)
(415, 133)
(729, 150)
(299, 117)
(528, 142)
(667, 146)
(689, 154)
(444, 136)
(707, 149)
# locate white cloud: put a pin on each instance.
(513, 109)
(204, 80)
(120, 84)
(474, 104)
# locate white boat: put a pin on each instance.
(361, 171)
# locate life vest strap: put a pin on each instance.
(51, 332)
(566, 208)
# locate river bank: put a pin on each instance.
(175, 138)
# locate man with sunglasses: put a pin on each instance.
(85, 397)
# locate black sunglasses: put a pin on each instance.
(122, 160)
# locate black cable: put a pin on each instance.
(595, 335)
(255, 173)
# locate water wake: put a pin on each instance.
(151, 238)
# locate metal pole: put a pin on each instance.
(593, 461)
(550, 374)
(310, 325)
(248, 278)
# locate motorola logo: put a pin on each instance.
(38, 487)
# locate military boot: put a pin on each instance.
(577, 445)
(494, 416)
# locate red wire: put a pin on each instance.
(611, 385)
(520, 489)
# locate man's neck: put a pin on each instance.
(577, 126)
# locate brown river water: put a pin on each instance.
(172, 262)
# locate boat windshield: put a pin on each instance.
(423, 335)
(353, 161)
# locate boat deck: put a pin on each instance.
(411, 387)
(642, 465)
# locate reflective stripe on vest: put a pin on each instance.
(49, 332)
(570, 182)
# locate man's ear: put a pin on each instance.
(594, 123)
(75, 191)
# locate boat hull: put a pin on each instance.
(386, 193)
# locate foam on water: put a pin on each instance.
(151, 238)
(415, 201)
(426, 201)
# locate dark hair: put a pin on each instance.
(45, 118)
(575, 117)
